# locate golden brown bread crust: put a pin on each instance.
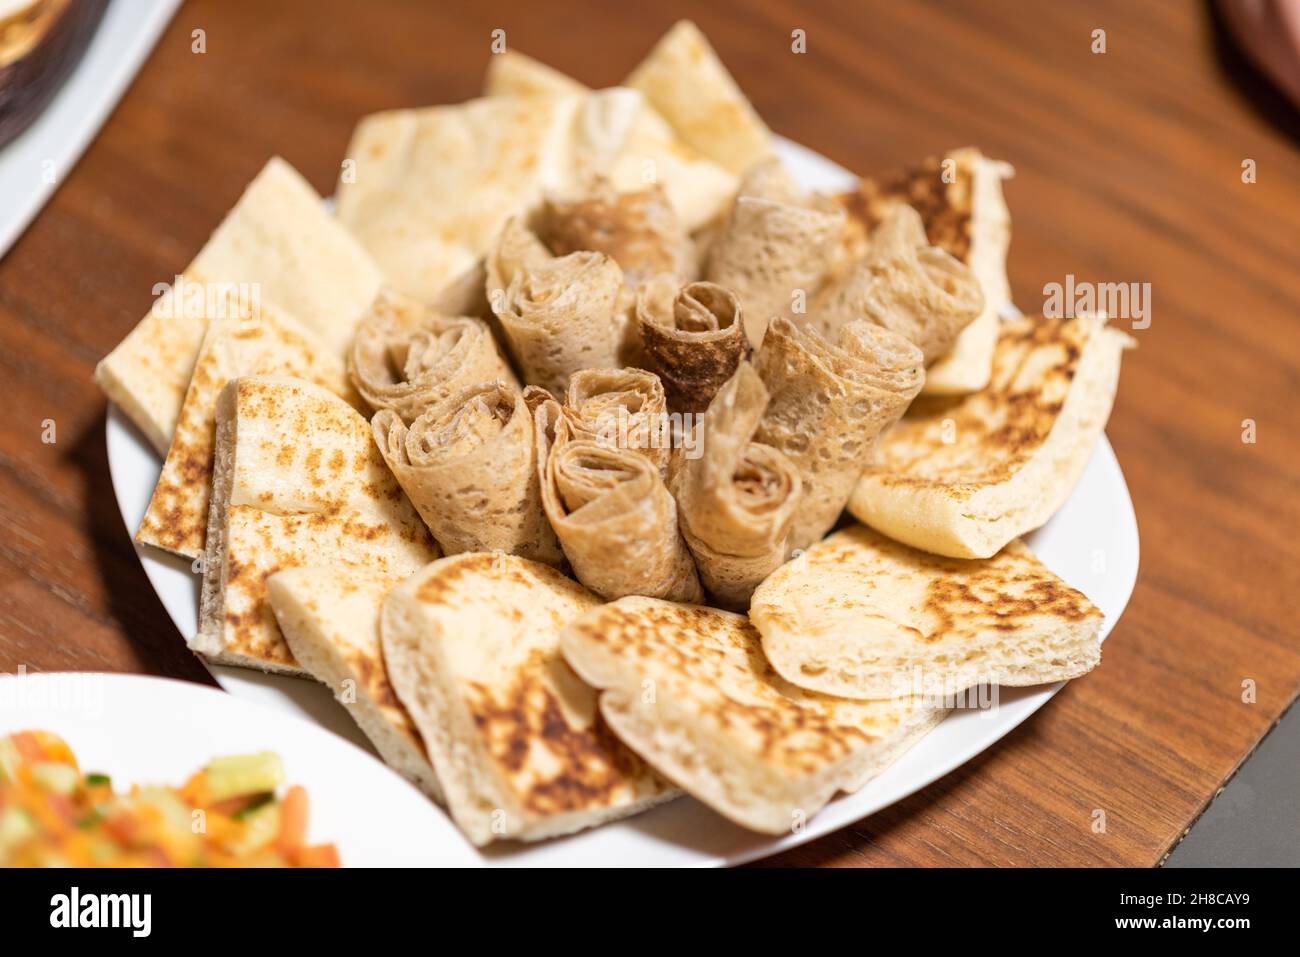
(692, 337)
(997, 430)
(945, 208)
(638, 230)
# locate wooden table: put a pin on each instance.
(1129, 169)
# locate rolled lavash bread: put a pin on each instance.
(623, 408)
(903, 284)
(407, 358)
(557, 315)
(615, 518)
(777, 242)
(469, 467)
(828, 404)
(637, 229)
(692, 337)
(736, 502)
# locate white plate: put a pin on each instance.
(143, 730)
(34, 163)
(1092, 543)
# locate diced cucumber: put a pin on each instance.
(244, 774)
(262, 826)
(16, 826)
(9, 760)
(173, 810)
(54, 776)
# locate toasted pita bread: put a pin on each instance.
(861, 616)
(330, 619)
(283, 246)
(964, 477)
(472, 645)
(688, 689)
(959, 197)
(685, 81)
(240, 341)
(297, 481)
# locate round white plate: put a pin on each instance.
(143, 730)
(1092, 543)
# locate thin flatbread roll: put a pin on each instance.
(964, 477)
(239, 341)
(278, 245)
(408, 358)
(472, 645)
(330, 619)
(828, 404)
(692, 336)
(959, 197)
(616, 521)
(469, 466)
(736, 503)
(688, 689)
(861, 616)
(624, 408)
(775, 247)
(559, 316)
(685, 81)
(515, 248)
(297, 481)
(637, 229)
(903, 284)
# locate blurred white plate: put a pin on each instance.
(1092, 543)
(143, 730)
(35, 162)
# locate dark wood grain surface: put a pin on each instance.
(1129, 169)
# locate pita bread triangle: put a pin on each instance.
(278, 244)
(473, 649)
(684, 80)
(296, 481)
(241, 339)
(330, 618)
(860, 616)
(962, 477)
(688, 689)
(516, 74)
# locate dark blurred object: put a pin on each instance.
(1269, 32)
(40, 42)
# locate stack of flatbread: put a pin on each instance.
(535, 451)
